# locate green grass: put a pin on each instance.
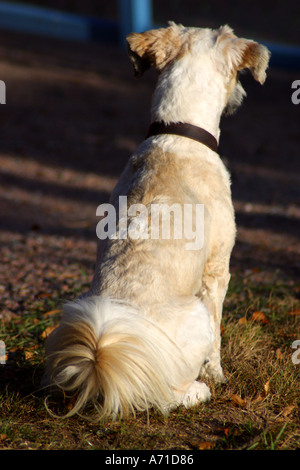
(257, 409)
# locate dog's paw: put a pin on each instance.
(196, 393)
(214, 371)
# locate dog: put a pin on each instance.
(148, 330)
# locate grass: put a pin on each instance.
(257, 409)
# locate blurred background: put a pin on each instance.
(74, 114)
(276, 20)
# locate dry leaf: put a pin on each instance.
(237, 400)
(242, 321)
(287, 410)
(267, 386)
(44, 295)
(47, 331)
(279, 354)
(51, 312)
(294, 312)
(201, 445)
(258, 398)
(71, 403)
(28, 355)
(260, 317)
(205, 445)
(29, 352)
(3, 437)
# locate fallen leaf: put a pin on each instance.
(279, 354)
(242, 321)
(47, 331)
(294, 312)
(258, 398)
(71, 403)
(44, 295)
(28, 355)
(260, 317)
(3, 437)
(267, 386)
(237, 400)
(287, 410)
(206, 445)
(50, 313)
(202, 445)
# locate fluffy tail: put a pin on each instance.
(106, 352)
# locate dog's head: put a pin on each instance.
(162, 48)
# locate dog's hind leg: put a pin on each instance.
(213, 293)
(195, 338)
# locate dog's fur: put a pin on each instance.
(150, 325)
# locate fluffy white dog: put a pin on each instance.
(150, 325)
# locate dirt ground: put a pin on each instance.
(73, 116)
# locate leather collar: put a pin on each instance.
(184, 130)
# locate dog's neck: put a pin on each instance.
(182, 96)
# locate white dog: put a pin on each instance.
(150, 325)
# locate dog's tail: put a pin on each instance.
(106, 352)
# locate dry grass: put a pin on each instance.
(257, 409)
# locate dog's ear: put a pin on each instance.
(255, 57)
(244, 53)
(157, 47)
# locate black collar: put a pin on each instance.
(184, 130)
